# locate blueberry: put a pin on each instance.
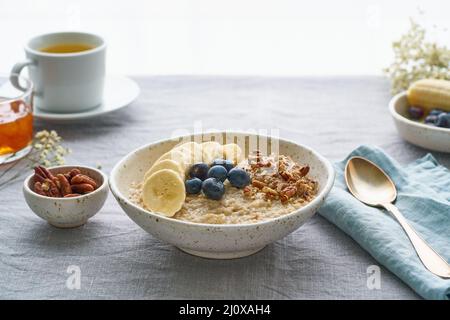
(218, 172)
(415, 112)
(431, 119)
(443, 120)
(213, 188)
(436, 112)
(228, 164)
(218, 162)
(193, 186)
(238, 177)
(199, 170)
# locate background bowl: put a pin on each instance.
(68, 212)
(212, 240)
(420, 134)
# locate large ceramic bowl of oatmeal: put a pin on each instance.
(268, 189)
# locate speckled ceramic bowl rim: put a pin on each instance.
(102, 186)
(407, 121)
(316, 200)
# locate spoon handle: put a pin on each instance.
(430, 258)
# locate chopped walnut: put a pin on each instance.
(258, 184)
(279, 178)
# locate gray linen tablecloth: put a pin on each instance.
(119, 260)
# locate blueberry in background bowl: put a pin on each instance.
(426, 135)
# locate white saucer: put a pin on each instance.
(119, 92)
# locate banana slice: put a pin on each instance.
(175, 155)
(192, 151)
(165, 164)
(211, 150)
(164, 192)
(232, 152)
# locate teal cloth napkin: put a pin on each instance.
(424, 199)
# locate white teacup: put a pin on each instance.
(65, 82)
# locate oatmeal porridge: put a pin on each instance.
(227, 189)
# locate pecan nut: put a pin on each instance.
(52, 188)
(38, 189)
(304, 170)
(38, 175)
(248, 191)
(286, 175)
(71, 195)
(46, 173)
(64, 185)
(288, 193)
(83, 179)
(72, 173)
(82, 188)
(258, 184)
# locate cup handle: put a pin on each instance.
(16, 70)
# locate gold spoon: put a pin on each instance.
(371, 185)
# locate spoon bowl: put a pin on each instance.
(368, 182)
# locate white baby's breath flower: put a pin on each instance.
(42, 134)
(416, 59)
(61, 150)
(47, 151)
(59, 160)
(50, 150)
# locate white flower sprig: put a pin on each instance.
(416, 59)
(46, 151)
(48, 147)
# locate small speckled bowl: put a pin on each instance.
(68, 212)
(218, 241)
(420, 134)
